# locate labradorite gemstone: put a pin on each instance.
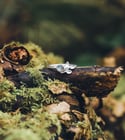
(60, 68)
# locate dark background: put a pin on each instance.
(79, 30)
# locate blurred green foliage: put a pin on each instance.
(67, 27)
(120, 89)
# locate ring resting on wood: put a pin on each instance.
(63, 68)
(92, 80)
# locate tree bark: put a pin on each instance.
(93, 80)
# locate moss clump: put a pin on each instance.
(22, 134)
(6, 98)
(39, 58)
(38, 125)
(5, 86)
(22, 114)
(28, 98)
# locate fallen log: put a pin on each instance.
(92, 80)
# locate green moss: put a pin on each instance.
(88, 128)
(22, 134)
(95, 121)
(6, 98)
(6, 85)
(27, 99)
(38, 125)
(39, 58)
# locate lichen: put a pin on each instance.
(57, 87)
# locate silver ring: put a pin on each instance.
(63, 68)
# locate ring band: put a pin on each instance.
(63, 68)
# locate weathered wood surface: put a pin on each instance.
(93, 80)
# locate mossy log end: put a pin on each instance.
(93, 80)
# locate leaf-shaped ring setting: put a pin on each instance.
(63, 68)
